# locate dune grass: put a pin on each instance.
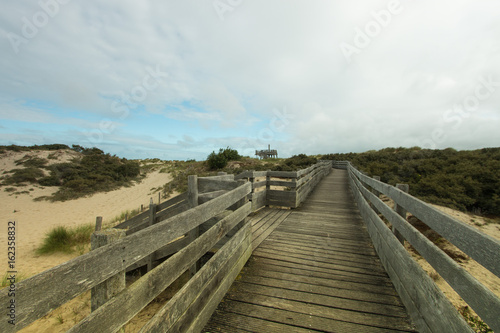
(66, 240)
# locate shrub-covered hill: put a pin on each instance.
(88, 172)
(465, 180)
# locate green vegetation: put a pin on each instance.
(63, 239)
(219, 160)
(474, 321)
(17, 148)
(4, 280)
(94, 171)
(464, 180)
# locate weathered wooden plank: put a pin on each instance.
(251, 174)
(256, 185)
(170, 313)
(282, 174)
(307, 270)
(119, 310)
(199, 316)
(172, 211)
(221, 177)
(291, 184)
(144, 215)
(172, 201)
(417, 290)
(295, 319)
(481, 299)
(258, 238)
(202, 198)
(481, 247)
(314, 294)
(209, 185)
(300, 303)
(226, 322)
(165, 251)
(276, 195)
(46, 291)
(258, 200)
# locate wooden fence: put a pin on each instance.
(169, 238)
(428, 306)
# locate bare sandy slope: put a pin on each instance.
(35, 219)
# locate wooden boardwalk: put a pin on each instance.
(313, 269)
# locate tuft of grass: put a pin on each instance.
(474, 322)
(4, 282)
(63, 239)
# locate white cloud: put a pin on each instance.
(228, 76)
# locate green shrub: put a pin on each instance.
(63, 239)
(220, 160)
(216, 161)
(21, 176)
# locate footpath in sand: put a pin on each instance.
(35, 218)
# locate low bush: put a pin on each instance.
(22, 176)
(63, 239)
(219, 160)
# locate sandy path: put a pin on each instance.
(35, 219)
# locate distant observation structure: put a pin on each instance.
(267, 153)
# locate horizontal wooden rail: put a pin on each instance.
(481, 299)
(481, 247)
(48, 290)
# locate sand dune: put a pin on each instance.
(35, 219)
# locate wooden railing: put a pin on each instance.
(428, 306)
(169, 238)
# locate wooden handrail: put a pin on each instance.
(480, 298)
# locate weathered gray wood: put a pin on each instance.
(401, 211)
(118, 311)
(481, 247)
(251, 174)
(204, 197)
(151, 221)
(258, 200)
(193, 201)
(260, 184)
(172, 201)
(204, 315)
(291, 184)
(168, 315)
(172, 211)
(46, 291)
(428, 306)
(209, 185)
(282, 174)
(103, 292)
(98, 223)
(221, 177)
(480, 299)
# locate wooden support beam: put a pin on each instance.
(101, 293)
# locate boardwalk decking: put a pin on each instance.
(313, 269)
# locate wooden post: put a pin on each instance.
(152, 214)
(401, 211)
(142, 208)
(193, 202)
(268, 187)
(101, 293)
(98, 223)
(377, 194)
(159, 197)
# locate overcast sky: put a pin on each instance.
(179, 79)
